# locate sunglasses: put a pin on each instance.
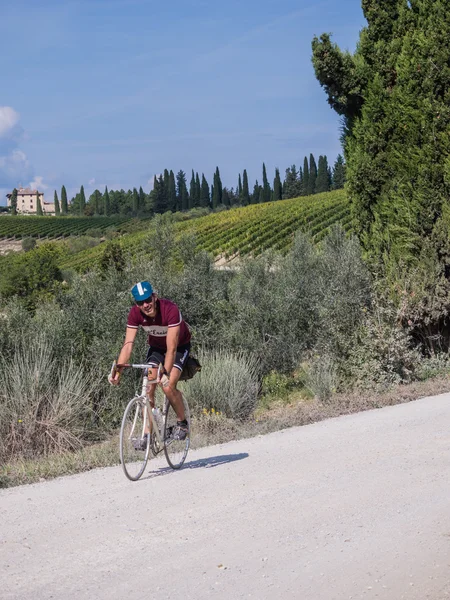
(147, 301)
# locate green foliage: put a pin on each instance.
(112, 257)
(80, 243)
(32, 276)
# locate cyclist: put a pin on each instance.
(169, 344)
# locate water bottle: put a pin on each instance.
(158, 418)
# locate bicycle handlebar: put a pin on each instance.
(115, 366)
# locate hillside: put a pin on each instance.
(243, 231)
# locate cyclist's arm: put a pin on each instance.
(127, 349)
(172, 343)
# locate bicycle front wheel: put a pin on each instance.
(134, 438)
(174, 449)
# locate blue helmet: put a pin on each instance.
(142, 290)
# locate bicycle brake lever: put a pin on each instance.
(113, 370)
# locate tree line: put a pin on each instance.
(173, 192)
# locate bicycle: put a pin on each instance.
(140, 420)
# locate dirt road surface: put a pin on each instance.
(353, 507)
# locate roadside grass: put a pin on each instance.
(212, 427)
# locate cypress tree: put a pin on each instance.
(198, 190)
(312, 175)
(39, 205)
(182, 192)
(192, 191)
(56, 202)
(254, 198)
(64, 207)
(225, 197)
(217, 189)
(305, 177)
(135, 202)
(322, 183)
(14, 202)
(160, 196)
(172, 193)
(245, 191)
(166, 179)
(141, 204)
(262, 195)
(239, 188)
(266, 186)
(338, 176)
(204, 193)
(106, 203)
(277, 186)
(82, 204)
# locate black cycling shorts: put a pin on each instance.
(155, 356)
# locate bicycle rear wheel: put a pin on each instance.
(175, 450)
(133, 452)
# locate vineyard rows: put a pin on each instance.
(256, 228)
(17, 227)
(244, 231)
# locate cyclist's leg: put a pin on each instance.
(154, 358)
(171, 391)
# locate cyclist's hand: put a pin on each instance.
(164, 381)
(114, 379)
(114, 376)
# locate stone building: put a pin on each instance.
(27, 202)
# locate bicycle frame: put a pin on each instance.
(148, 413)
(158, 434)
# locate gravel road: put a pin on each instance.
(353, 507)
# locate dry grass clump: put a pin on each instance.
(44, 405)
(228, 383)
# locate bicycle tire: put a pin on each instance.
(133, 460)
(175, 450)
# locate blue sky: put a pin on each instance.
(112, 92)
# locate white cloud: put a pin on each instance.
(38, 184)
(8, 119)
(15, 168)
(92, 181)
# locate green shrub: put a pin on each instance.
(94, 232)
(432, 366)
(28, 243)
(33, 276)
(383, 353)
(78, 243)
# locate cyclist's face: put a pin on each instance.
(148, 307)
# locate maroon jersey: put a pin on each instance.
(168, 316)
